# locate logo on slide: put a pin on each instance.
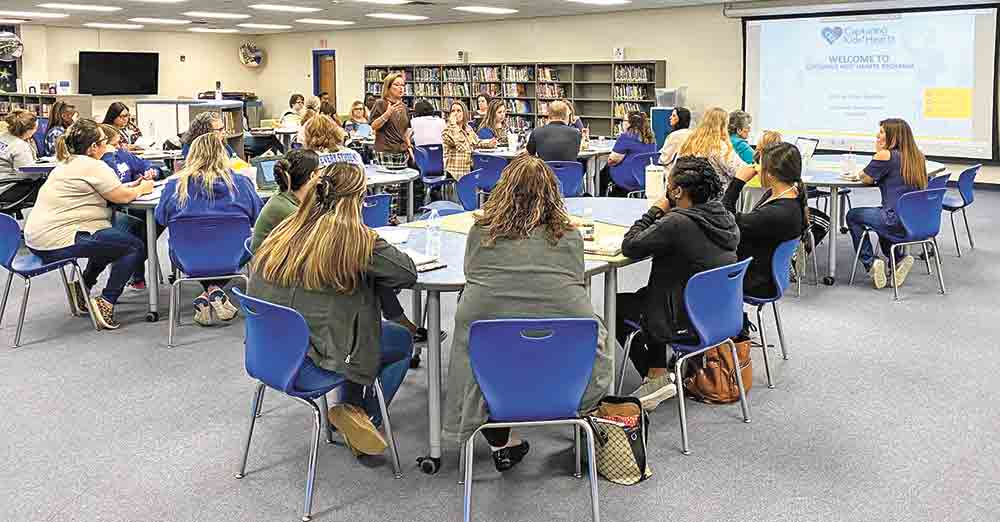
(832, 34)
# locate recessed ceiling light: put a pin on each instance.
(265, 26)
(321, 21)
(10, 21)
(486, 10)
(395, 16)
(602, 2)
(98, 25)
(206, 14)
(285, 8)
(211, 30)
(160, 21)
(387, 2)
(82, 7)
(31, 14)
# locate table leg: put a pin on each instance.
(417, 313)
(610, 316)
(153, 268)
(409, 202)
(831, 278)
(432, 463)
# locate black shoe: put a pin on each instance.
(506, 458)
(421, 336)
(415, 362)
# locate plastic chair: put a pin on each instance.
(490, 168)
(468, 190)
(375, 210)
(246, 246)
(444, 208)
(277, 340)
(203, 249)
(713, 300)
(39, 137)
(966, 195)
(630, 175)
(920, 214)
(28, 189)
(430, 163)
(570, 176)
(781, 264)
(27, 266)
(940, 181)
(533, 372)
(811, 238)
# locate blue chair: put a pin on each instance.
(246, 247)
(630, 174)
(375, 210)
(940, 181)
(490, 168)
(27, 266)
(966, 195)
(430, 163)
(781, 264)
(39, 137)
(570, 176)
(920, 214)
(444, 208)
(202, 249)
(533, 372)
(277, 340)
(468, 190)
(713, 300)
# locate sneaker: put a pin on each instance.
(902, 270)
(878, 273)
(414, 362)
(80, 298)
(421, 336)
(357, 429)
(224, 310)
(656, 390)
(202, 311)
(105, 313)
(506, 458)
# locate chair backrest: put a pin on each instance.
(210, 245)
(491, 167)
(570, 176)
(429, 160)
(966, 183)
(467, 188)
(939, 181)
(533, 369)
(39, 137)
(920, 213)
(631, 173)
(11, 238)
(246, 246)
(375, 210)
(714, 302)
(277, 340)
(781, 265)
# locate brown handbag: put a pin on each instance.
(712, 378)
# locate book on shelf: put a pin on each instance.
(622, 109)
(551, 91)
(515, 90)
(426, 74)
(631, 92)
(456, 74)
(427, 89)
(548, 74)
(486, 74)
(455, 90)
(519, 106)
(518, 73)
(490, 89)
(632, 73)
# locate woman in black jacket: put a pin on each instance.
(779, 215)
(686, 232)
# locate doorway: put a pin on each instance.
(325, 73)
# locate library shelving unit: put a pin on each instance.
(40, 104)
(603, 92)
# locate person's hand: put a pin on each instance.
(663, 203)
(149, 174)
(492, 144)
(747, 172)
(398, 106)
(145, 186)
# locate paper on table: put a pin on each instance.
(394, 236)
(418, 258)
(152, 196)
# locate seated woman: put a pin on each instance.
(680, 121)
(323, 136)
(523, 259)
(312, 110)
(326, 264)
(205, 187)
(72, 219)
(119, 116)
(61, 116)
(16, 152)
(204, 123)
(459, 141)
(898, 168)
(739, 133)
(427, 125)
(779, 216)
(477, 116)
(359, 117)
(686, 232)
(574, 119)
(710, 141)
(494, 125)
(296, 109)
(637, 138)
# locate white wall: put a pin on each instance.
(702, 48)
(52, 53)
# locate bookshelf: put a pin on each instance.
(41, 104)
(602, 91)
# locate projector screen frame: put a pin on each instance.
(995, 159)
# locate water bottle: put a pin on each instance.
(432, 247)
(587, 228)
(852, 164)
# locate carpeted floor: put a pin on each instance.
(885, 412)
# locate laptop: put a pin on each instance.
(807, 146)
(362, 131)
(265, 172)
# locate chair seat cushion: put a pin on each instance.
(952, 202)
(313, 381)
(30, 265)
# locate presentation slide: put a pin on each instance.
(834, 78)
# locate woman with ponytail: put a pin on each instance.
(781, 213)
(324, 262)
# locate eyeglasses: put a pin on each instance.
(218, 129)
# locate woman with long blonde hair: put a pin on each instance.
(523, 259)
(897, 169)
(326, 264)
(710, 140)
(205, 187)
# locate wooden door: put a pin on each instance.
(328, 77)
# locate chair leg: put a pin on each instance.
(324, 408)
(763, 346)
(175, 319)
(576, 448)
(744, 405)
(927, 258)
(313, 457)
(467, 504)
(857, 257)
(69, 296)
(621, 373)
(20, 317)
(814, 256)
(954, 232)
(86, 292)
(781, 331)
(254, 413)
(6, 292)
(968, 231)
(592, 465)
(681, 407)
(892, 264)
(260, 408)
(937, 260)
(388, 429)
